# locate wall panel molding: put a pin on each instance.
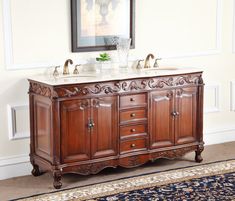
(14, 166)
(8, 41)
(219, 135)
(215, 107)
(233, 27)
(232, 96)
(12, 122)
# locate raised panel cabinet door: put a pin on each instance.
(104, 134)
(75, 134)
(161, 121)
(186, 114)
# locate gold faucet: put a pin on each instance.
(66, 68)
(147, 63)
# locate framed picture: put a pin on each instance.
(96, 24)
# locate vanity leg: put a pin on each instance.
(198, 157)
(36, 171)
(57, 179)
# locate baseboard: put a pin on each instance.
(217, 136)
(15, 166)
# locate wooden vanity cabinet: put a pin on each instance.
(173, 117)
(89, 129)
(84, 128)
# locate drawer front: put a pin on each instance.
(133, 100)
(133, 129)
(133, 115)
(133, 145)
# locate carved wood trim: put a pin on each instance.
(116, 86)
(40, 89)
(175, 153)
(92, 168)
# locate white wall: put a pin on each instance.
(193, 33)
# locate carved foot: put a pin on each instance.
(35, 171)
(198, 157)
(57, 179)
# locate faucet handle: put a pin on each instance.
(76, 69)
(155, 65)
(138, 64)
(55, 72)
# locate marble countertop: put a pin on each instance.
(110, 75)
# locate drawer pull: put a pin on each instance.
(133, 114)
(174, 114)
(133, 145)
(133, 130)
(132, 99)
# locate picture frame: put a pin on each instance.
(95, 25)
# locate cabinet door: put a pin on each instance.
(104, 134)
(75, 135)
(161, 120)
(185, 121)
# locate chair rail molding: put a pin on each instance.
(9, 52)
(12, 122)
(215, 107)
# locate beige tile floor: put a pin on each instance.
(29, 185)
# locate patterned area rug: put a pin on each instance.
(215, 181)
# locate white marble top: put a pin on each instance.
(110, 75)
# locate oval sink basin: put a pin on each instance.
(166, 68)
(76, 76)
(159, 68)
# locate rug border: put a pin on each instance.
(168, 170)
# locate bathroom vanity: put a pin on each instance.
(83, 124)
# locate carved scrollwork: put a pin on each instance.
(57, 179)
(92, 168)
(134, 85)
(169, 94)
(116, 87)
(91, 89)
(84, 104)
(188, 79)
(41, 90)
(134, 161)
(75, 91)
(173, 153)
(95, 103)
(160, 82)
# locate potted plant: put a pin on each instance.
(104, 60)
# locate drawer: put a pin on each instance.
(133, 100)
(133, 129)
(133, 145)
(133, 115)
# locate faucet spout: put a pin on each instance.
(147, 63)
(66, 68)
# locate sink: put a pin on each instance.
(75, 76)
(167, 68)
(159, 68)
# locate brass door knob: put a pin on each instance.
(133, 114)
(133, 145)
(133, 130)
(132, 99)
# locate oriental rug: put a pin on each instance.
(215, 181)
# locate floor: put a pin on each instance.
(29, 185)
